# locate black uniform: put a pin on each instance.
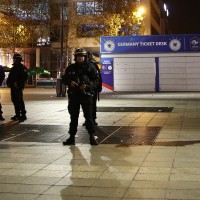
(16, 81)
(81, 73)
(2, 76)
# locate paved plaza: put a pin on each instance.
(35, 166)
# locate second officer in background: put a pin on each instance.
(81, 79)
(16, 82)
(97, 89)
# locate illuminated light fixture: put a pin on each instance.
(165, 7)
(139, 13)
(166, 10)
(167, 13)
(141, 10)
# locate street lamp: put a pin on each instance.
(61, 39)
(139, 14)
(138, 17)
(60, 88)
(141, 11)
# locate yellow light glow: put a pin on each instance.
(141, 10)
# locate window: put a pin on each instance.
(31, 11)
(43, 41)
(89, 8)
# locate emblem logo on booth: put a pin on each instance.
(195, 44)
(109, 45)
(175, 45)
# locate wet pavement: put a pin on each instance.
(14, 131)
(149, 149)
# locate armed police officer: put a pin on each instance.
(16, 81)
(81, 78)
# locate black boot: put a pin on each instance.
(93, 141)
(15, 118)
(23, 118)
(70, 141)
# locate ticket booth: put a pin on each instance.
(151, 63)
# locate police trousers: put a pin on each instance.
(18, 101)
(74, 103)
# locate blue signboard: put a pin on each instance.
(107, 73)
(150, 44)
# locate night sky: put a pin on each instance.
(184, 16)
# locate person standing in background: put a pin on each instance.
(2, 76)
(16, 82)
(97, 90)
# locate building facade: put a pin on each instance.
(49, 52)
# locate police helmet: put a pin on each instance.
(81, 52)
(17, 56)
